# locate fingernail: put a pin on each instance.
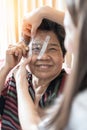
(16, 54)
(27, 48)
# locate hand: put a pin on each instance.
(14, 54)
(31, 22)
(33, 19)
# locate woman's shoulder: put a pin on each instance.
(78, 115)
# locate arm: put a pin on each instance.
(79, 108)
(52, 14)
(33, 19)
(6, 68)
(3, 74)
(28, 114)
(13, 56)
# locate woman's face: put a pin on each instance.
(50, 63)
(71, 39)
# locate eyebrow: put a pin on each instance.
(53, 44)
(49, 44)
(36, 43)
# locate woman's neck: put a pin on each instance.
(40, 87)
(40, 84)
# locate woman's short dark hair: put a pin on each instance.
(48, 25)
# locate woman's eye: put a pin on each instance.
(52, 49)
(36, 49)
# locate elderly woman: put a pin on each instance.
(38, 80)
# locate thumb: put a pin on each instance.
(33, 30)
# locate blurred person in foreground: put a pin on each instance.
(35, 82)
(71, 110)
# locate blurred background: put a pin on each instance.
(11, 15)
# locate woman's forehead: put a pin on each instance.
(45, 37)
(41, 35)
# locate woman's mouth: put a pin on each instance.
(44, 66)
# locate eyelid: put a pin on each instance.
(55, 47)
(36, 48)
(37, 45)
(52, 48)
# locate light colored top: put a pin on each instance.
(78, 116)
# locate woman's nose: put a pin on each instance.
(45, 56)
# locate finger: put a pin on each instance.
(25, 52)
(26, 30)
(11, 46)
(27, 33)
(23, 48)
(33, 31)
(11, 50)
(15, 51)
(28, 26)
(19, 54)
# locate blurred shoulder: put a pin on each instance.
(78, 115)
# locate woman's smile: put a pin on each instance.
(43, 67)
